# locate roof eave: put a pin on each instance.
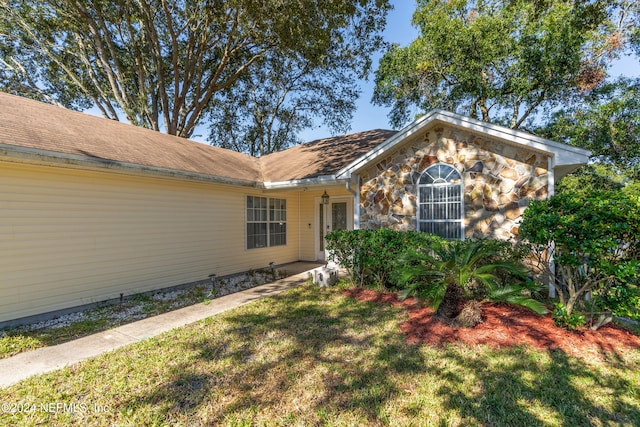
(565, 169)
(565, 154)
(317, 181)
(38, 156)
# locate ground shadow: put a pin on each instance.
(263, 372)
(529, 391)
(306, 360)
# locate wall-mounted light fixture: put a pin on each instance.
(325, 198)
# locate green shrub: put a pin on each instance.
(564, 319)
(371, 256)
(595, 240)
(621, 301)
(497, 251)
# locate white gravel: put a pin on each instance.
(138, 307)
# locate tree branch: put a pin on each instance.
(155, 47)
(529, 110)
(116, 88)
(150, 100)
(103, 97)
(40, 43)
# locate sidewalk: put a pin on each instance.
(46, 359)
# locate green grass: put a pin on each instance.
(312, 357)
(17, 340)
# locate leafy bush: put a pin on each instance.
(564, 319)
(621, 301)
(371, 256)
(506, 251)
(595, 240)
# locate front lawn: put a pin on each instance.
(315, 357)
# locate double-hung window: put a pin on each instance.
(440, 202)
(266, 222)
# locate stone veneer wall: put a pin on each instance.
(499, 181)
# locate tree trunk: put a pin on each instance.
(602, 320)
(449, 307)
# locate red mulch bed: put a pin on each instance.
(503, 326)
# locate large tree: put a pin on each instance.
(607, 122)
(503, 61)
(161, 62)
(268, 107)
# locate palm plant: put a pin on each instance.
(442, 275)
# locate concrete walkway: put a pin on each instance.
(46, 359)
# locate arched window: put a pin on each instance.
(440, 202)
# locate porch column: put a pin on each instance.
(356, 200)
(551, 190)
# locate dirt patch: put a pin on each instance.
(503, 325)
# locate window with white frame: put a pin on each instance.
(277, 222)
(266, 222)
(440, 202)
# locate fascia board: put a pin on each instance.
(564, 154)
(37, 156)
(385, 146)
(305, 182)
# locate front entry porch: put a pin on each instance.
(336, 213)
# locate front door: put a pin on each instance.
(336, 215)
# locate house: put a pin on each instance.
(92, 208)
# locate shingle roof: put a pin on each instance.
(32, 124)
(39, 126)
(321, 157)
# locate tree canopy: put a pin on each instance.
(607, 122)
(503, 61)
(268, 107)
(162, 62)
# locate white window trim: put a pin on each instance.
(268, 222)
(419, 220)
